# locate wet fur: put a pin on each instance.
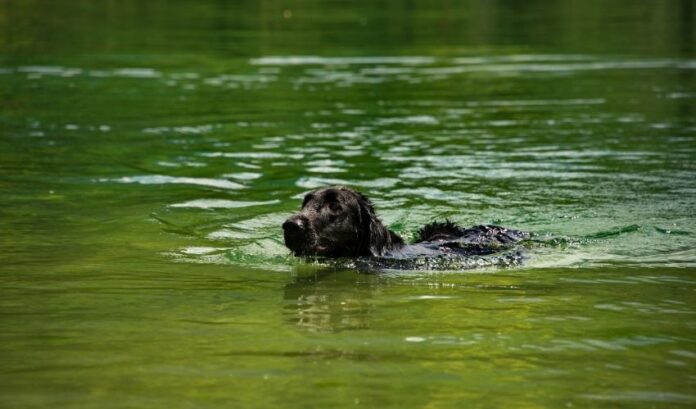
(438, 231)
(375, 238)
(341, 222)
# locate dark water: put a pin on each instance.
(150, 150)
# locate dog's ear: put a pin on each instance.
(374, 237)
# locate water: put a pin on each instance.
(150, 151)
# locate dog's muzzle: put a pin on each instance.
(295, 230)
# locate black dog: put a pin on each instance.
(340, 222)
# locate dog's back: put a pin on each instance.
(446, 239)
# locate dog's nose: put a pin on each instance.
(293, 225)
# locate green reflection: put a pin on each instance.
(149, 152)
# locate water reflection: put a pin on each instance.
(330, 301)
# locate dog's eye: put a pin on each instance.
(334, 206)
(306, 200)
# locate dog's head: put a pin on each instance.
(337, 222)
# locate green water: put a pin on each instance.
(149, 152)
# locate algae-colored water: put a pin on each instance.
(150, 150)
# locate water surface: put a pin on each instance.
(150, 152)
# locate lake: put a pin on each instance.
(149, 152)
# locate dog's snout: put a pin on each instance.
(294, 225)
(295, 232)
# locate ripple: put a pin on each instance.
(325, 169)
(327, 166)
(642, 396)
(190, 130)
(243, 175)
(252, 155)
(442, 340)
(316, 182)
(561, 68)
(435, 194)
(414, 119)
(683, 353)
(634, 306)
(337, 70)
(59, 71)
(523, 58)
(540, 102)
(163, 179)
(49, 70)
(220, 204)
(386, 70)
(316, 60)
(266, 225)
(137, 73)
(192, 164)
(227, 234)
(431, 297)
(592, 345)
(412, 70)
(200, 250)
(615, 231)
(236, 81)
